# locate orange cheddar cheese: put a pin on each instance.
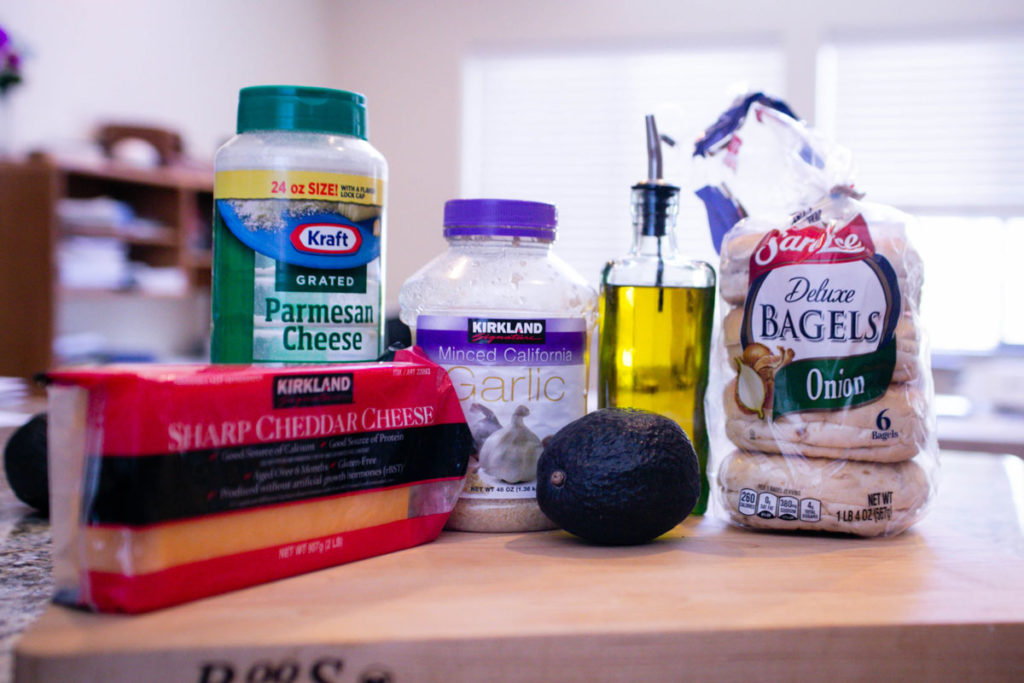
(148, 550)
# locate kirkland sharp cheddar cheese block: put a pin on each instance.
(171, 483)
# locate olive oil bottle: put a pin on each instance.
(656, 313)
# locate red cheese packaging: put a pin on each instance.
(171, 483)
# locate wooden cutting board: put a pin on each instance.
(945, 600)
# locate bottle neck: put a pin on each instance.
(663, 246)
(655, 207)
(533, 244)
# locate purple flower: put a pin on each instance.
(10, 63)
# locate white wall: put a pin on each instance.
(181, 62)
(405, 55)
(177, 63)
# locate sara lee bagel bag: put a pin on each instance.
(821, 401)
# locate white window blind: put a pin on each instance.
(962, 298)
(936, 123)
(569, 129)
(936, 127)
(1012, 314)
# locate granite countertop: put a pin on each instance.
(26, 584)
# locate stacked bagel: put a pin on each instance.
(862, 469)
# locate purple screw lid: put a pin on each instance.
(510, 217)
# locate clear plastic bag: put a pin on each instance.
(821, 399)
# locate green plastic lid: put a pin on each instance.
(289, 107)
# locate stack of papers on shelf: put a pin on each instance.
(93, 263)
(104, 213)
(167, 281)
(94, 348)
(97, 212)
(12, 390)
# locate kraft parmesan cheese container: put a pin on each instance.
(299, 225)
(510, 321)
(171, 483)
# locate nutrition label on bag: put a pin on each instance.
(767, 505)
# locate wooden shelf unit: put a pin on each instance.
(176, 199)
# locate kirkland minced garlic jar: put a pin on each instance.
(510, 322)
(298, 237)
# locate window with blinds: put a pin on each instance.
(569, 129)
(936, 128)
(933, 124)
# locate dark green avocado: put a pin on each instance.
(25, 464)
(618, 476)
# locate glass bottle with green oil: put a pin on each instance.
(656, 312)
